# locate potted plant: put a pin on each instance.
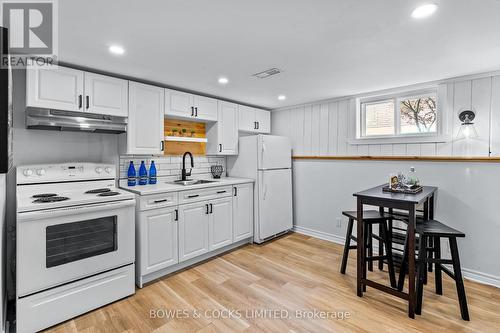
(175, 132)
(184, 132)
(193, 133)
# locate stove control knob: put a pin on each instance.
(98, 169)
(108, 170)
(40, 172)
(28, 172)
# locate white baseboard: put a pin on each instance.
(469, 274)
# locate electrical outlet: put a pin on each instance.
(339, 222)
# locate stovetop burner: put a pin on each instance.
(108, 194)
(50, 199)
(44, 195)
(98, 190)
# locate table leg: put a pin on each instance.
(360, 248)
(411, 261)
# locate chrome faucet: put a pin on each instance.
(184, 173)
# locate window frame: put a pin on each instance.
(437, 136)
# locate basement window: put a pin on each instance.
(404, 115)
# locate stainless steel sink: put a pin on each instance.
(192, 182)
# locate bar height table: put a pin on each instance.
(408, 202)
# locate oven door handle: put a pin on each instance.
(49, 213)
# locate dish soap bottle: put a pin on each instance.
(131, 174)
(152, 173)
(412, 177)
(143, 174)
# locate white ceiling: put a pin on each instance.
(326, 48)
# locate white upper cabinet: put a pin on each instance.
(145, 120)
(263, 119)
(223, 135)
(254, 120)
(54, 88)
(188, 106)
(106, 95)
(68, 89)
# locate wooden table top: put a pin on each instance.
(376, 192)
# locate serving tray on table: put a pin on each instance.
(413, 190)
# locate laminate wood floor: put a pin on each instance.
(293, 273)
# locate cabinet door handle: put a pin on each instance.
(193, 196)
(196, 111)
(235, 191)
(211, 208)
(192, 111)
(220, 147)
(80, 101)
(258, 125)
(254, 125)
(162, 145)
(87, 102)
(176, 215)
(206, 207)
(159, 201)
(220, 192)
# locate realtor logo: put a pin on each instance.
(32, 30)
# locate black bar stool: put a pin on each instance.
(430, 233)
(371, 217)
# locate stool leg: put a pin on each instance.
(369, 245)
(431, 245)
(402, 270)
(437, 273)
(381, 249)
(462, 299)
(421, 272)
(347, 244)
(388, 250)
(427, 253)
(365, 242)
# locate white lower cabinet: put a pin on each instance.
(220, 230)
(193, 230)
(158, 236)
(242, 211)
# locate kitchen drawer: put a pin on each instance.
(158, 201)
(204, 194)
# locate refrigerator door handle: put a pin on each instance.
(264, 189)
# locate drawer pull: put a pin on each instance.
(220, 192)
(193, 196)
(162, 200)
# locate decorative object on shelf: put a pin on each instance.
(193, 133)
(216, 171)
(184, 132)
(175, 132)
(467, 129)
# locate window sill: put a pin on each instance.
(400, 139)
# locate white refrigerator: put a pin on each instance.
(268, 160)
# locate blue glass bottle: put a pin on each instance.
(143, 174)
(131, 174)
(152, 173)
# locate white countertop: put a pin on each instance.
(164, 186)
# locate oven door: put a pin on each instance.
(61, 245)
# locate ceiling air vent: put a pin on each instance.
(267, 73)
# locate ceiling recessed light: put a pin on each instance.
(424, 11)
(116, 49)
(281, 97)
(223, 80)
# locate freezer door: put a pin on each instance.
(275, 152)
(275, 202)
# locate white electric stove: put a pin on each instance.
(75, 242)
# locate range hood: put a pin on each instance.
(48, 119)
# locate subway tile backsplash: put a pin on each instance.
(169, 167)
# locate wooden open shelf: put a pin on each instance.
(193, 140)
(184, 139)
(403, 158)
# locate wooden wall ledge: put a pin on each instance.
(402, 158)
